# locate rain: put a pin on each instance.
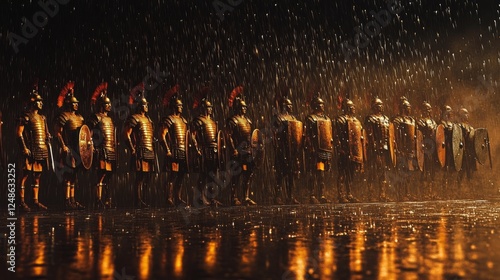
(444, 52)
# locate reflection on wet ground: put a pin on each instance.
(424, 240)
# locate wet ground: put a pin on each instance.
(456, 239)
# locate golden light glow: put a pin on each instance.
(211, 253)
(179, 256)
(145, 258)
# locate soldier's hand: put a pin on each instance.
(49, 136)
(169, 154)
(27, 152)
(65, 149)
(235, 153)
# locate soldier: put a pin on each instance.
(33, 137)
(288, 134)
(349, 146)
(318, 147)
(173, 131)
(469, 164)
(205, 132)
(239, 133)
(138, 134)
(405, 134)
(104, 138)
(379, 148)
(446, 121)
(67, 128)
(427, 125)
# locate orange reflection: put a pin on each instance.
(145, 258)
(39, 263)
(298, 257)
(179, 256)
(438, 254)
(211, 253)
(357, 248)
(106, 263)
(249, 251)
(387, 258)
(457, 256)
(327, 257)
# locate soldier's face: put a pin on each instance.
(352, 109)
(209, 110)
(74, 106)
(179, 108)
(465, 116)
(243, 110)
(320, 107)
(39, 104)
(107, 107)
(145, 108)
(379, 108)
(407, 110)
(289, 108)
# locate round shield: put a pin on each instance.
(457, 145)
(257, 147)
(85, 146)
(419, 147)
(392, 144)
(481, 145)
(441, 145)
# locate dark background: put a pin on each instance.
(446, 52)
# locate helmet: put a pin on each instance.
(377, 101)
(426, 105)
(463, 111)
(34, 97)
(205, 103)
(404, 103)
(346, 104)
(70, 98)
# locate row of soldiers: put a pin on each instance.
(378, 146)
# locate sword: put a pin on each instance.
(157, 163)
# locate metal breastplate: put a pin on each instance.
(144, 133)
(428, 126)
(406, 134)
(107, 128)
(244, 130)
(177, 133)
(37, 136)
(208, 131)
(71, 127)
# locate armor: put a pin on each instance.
(67, 129)
(349, 147)
(104, 137)
(142, 141)
(319, 148)
(469, 163)
(405, 129)
(175, 142)
(427, 148)
(206, 136)
(35, 135)
(239, 135)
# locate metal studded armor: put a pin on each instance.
(206, 137)
(71, 123)
(241, 132)
(104, 137)
(35, 135)
(176, 137)
(142, 132)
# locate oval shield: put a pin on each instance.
(457, 145)
(482, 145)
(441, 145)
(85, 146)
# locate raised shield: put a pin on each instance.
(295, 132)
(392, 144)
(457, 145)
(85, 146)
(325, 135)
(355, 143)
(441, 145)
(420, 149)
(257, 146)
(482, 145)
